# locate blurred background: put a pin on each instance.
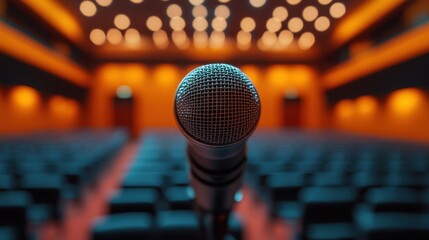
(89, 147)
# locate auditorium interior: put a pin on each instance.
(340, 151)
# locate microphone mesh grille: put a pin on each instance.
(217, 104)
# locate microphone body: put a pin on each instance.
(217, 108)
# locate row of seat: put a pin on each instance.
(327, 185)
(41, 173)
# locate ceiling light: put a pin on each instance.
(122, 21)
(174, 10)
(196, 2)
(201, 39)
(200, 24)
(310, 13)
(257, 3)
(244, 38)
(132, 36)
(217, 39)
(97, 37)
(88, 8)
(199, 11)
(223, 1)
(136, 1)
(325, 2)
(295, 24)
(114, 36)
(273, 25)
(160, 39)
(177, 23)
(154, 23)
(247, 24)
(222, 11)
(293, 2)
(322, 24)
(219, 24)
(261, 45)
(269, 38)
(306, 40)
(337, 10)
(179, 38)
(280, 13)
(104, 3)
(285, 37)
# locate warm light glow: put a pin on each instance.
(63, 107)
(180, 39)
(306, 40)
(247, 24)
(160, 39)
(257, 3)
(122, 21)
(325, 2)
(217, 39)
(201, 39)
(337, 10)
(406, 101)
(200, 24)
(97, 37)
(196, 2)
(344, 109)
(114, 36)
(132, 36)
(199, 11)
(154, 23)
(24, 98)
(285, 37)
(88, 8)
(388, 54)
(293, 2)
(363, 16)
(222, 11)
(223, 1)
(310, 13)
(219, 24)
(136, 1)
(177, 23)
(280, 13)
(30, 51)
(174, 10)
(57, 16)
(269, 38)
(322, 24)
(366, 106)
(295, 24)
(273, 25)
(104, 3)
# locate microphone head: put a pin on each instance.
(217, 104)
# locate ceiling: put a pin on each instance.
(287, 34)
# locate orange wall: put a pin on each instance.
(154, 88)
(404, 114)
(23, 109)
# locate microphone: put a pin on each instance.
(217, 108)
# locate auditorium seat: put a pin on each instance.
(177, 225)
(135, 200)
(130, 226)
(7, 233)
(391, 225)
(14, 207)
(390, 199)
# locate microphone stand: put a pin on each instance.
(214, 226)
